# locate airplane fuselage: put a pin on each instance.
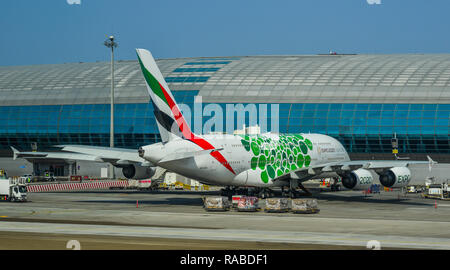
(245, 160)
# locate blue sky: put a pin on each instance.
(52, 31)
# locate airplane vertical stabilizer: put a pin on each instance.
(168, 116)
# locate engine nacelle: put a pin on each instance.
(358, 179)
(395, 177)
(138, 172)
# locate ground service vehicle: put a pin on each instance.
(10, 191)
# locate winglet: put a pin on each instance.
(15, 152)
(430, 163)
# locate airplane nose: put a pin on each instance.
(141, 152)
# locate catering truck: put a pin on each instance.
(12, 190)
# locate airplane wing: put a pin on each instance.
(52, 155)
(347, 166)
(115, 156)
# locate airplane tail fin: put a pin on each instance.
(170, 121)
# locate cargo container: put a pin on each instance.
(235, 200)
(277, 205)
(247, 204)
(304, 206)
(216, 203)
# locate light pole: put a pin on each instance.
(110, 43)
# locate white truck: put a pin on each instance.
(11, 191)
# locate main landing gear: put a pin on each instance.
(264, 193)
(290, 193)
(293, 193)
(261, 193)
(228, 192)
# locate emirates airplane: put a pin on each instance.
(261, 161)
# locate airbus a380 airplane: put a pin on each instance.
(264, 161)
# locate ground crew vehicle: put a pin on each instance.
(10, 191)
(28, 177)
(414, 189)
(438, 191)
(49, 176)
(179, 185)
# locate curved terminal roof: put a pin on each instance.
(261, 79)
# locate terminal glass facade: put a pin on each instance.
(361, 128)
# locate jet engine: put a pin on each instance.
(395, 177)
(359, 179)
(138, 172)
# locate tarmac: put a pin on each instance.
(176, 220)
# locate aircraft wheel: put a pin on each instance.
(262, 194)
(292, 194)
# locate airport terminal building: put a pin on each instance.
(361, 100)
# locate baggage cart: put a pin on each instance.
(247, 204)
(235, 200)
(216, 203)
(277, 205)
(304, 206)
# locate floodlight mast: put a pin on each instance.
(110, 43)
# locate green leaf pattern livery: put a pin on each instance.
(277, 157)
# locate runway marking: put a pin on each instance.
(428, 207)
(231, 234)
(443, 205)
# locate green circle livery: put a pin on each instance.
(277, 157)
